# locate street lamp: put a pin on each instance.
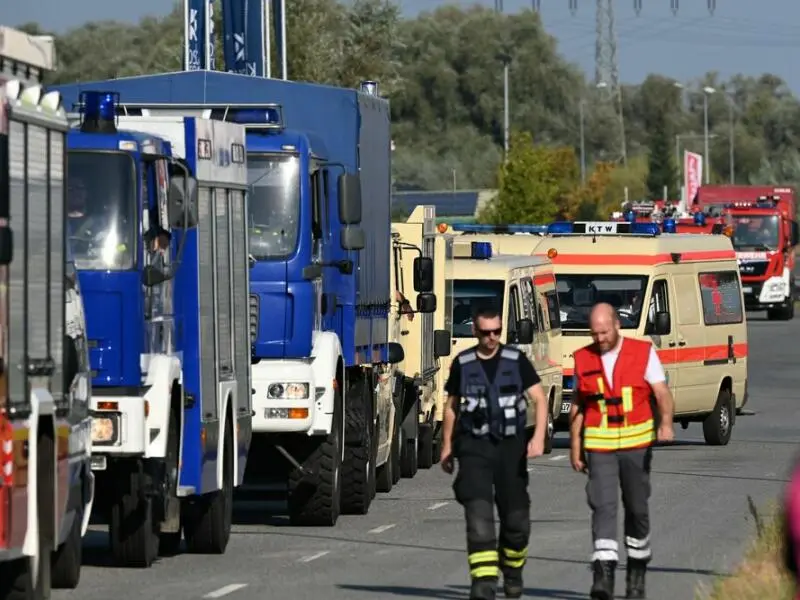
(505, 58)
(707, 91)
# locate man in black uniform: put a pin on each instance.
(485, 429)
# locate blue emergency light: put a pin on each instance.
(481, 250)
(98, 111)
(669, 226)
(602, 228)
(476, 228)
(267, 117)
(630, 216)
(699, 219)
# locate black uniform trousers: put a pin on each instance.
(608, 472)
(494, 472)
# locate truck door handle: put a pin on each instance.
(672, 344)
(682, 343)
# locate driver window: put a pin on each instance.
(512, 314)
(659, 302)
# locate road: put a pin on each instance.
(411, 545)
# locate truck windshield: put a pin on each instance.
(468, 293)
(577, 294)
(273, 204)
(101, 209)
(756, 232)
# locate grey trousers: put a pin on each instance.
(608, 472)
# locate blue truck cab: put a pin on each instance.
(159, 237)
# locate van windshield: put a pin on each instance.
(470, 293)
(577, 294)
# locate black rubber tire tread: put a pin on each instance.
(785, 313)
(132, 531)
(16, 580)
(397, 449)
(208, 528)
(712, 432)
(425, 453)
(169, 543)
(358, 468)
(409, 455)
(66, 570)
(318, 504)
(384, 476)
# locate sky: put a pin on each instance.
(742, 36)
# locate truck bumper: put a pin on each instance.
(763, 295)
(281, 403)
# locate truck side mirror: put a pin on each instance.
(423, 274)
(524, 331)
(349, 199)
(663, 324)
(426, 303)
(442, 343)
(353, 238)
(396, 353)
(795, 234)
(151, 276)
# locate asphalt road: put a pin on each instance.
(411, 545)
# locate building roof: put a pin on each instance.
(448, 203)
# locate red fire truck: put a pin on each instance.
(764, 227)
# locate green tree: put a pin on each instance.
(661, 171)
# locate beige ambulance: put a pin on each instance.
(682, 291)
(523, 288)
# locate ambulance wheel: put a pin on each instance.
(718, 425)
(358, 469)
(550, 432)
(132, 528)
(207, 526)
(66, 570)
(316, 501)
(425, 457)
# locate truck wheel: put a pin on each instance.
(397, 448)
(718, 426)
(409, 458)
(315, 501)
(132, 528)
(169, 542)
(358, 469)
(384, 478)
(208, 526)
(425, 456)
(66, 569)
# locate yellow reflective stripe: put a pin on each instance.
(601, 404)
(619, 442)
(619, 432)
(627, 402)
(484, 572)
(482, 557)
(515, 553)
(601, 385)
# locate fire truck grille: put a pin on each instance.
(754, 269)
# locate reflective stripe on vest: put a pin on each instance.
(619, 418)
(498, 408)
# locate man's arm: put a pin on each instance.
(654, 375)
(576, 419)
(536, 394)
(449, 421)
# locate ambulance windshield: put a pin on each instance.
(577, 294)
(101, 209)
(759, 233)
(273, 205)
(469, 294)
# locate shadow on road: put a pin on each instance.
(453, 592)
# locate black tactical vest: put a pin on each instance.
(497, 409)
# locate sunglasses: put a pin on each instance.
(488, 332)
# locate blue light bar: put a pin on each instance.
(475, 228)
(98, 111)
(647, 228)
(602, 228)
(481, 250)
(266, 117)
(560, 227)
(699, 218)
(669, 226)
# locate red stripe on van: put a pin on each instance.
(639, 260)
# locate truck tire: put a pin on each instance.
(784, 313)
(384, 478)
(208, 527)
(358, 469)
(66, 569)
(132, 528)
(718, 425)
(410, 451)
(397, 448)
(425, 452)
(318, 503)
(169, 542)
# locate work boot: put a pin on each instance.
(512, 585)
(483, 589)
(603, 585)
(634, 579)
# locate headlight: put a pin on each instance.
(288, 391)
(777, 286)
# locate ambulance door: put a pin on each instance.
(529, 312)
(513, 314)
(666, 343)
(691, 338)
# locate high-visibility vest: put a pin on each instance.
(618, 415)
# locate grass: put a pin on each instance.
(761, 574)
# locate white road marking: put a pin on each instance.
(559, 457)
(382, 528)
(437, 505)
(308, 559)
(224, 591)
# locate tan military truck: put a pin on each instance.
(422, 340)
(524, 289)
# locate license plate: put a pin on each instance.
(102, 429)
(98, 463)
(565, 406)
(747, 290)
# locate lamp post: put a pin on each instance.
(707, 91)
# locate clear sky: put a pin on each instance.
(748, 36)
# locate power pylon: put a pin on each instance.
(606, 67)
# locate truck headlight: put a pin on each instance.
(777, 286)
(288, 391)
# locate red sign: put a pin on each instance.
(692, 174)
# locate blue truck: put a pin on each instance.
(324, 402)
(157, 213)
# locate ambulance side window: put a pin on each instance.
(513, 314)
(529, 302)
(659, 302)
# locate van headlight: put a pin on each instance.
(777, 286)
(288, 391)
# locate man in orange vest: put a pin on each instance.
(612, 430)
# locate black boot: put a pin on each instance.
(483, 589)
(512, 585)
(634, 579)
(603, 585)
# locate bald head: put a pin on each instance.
(604, 324)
